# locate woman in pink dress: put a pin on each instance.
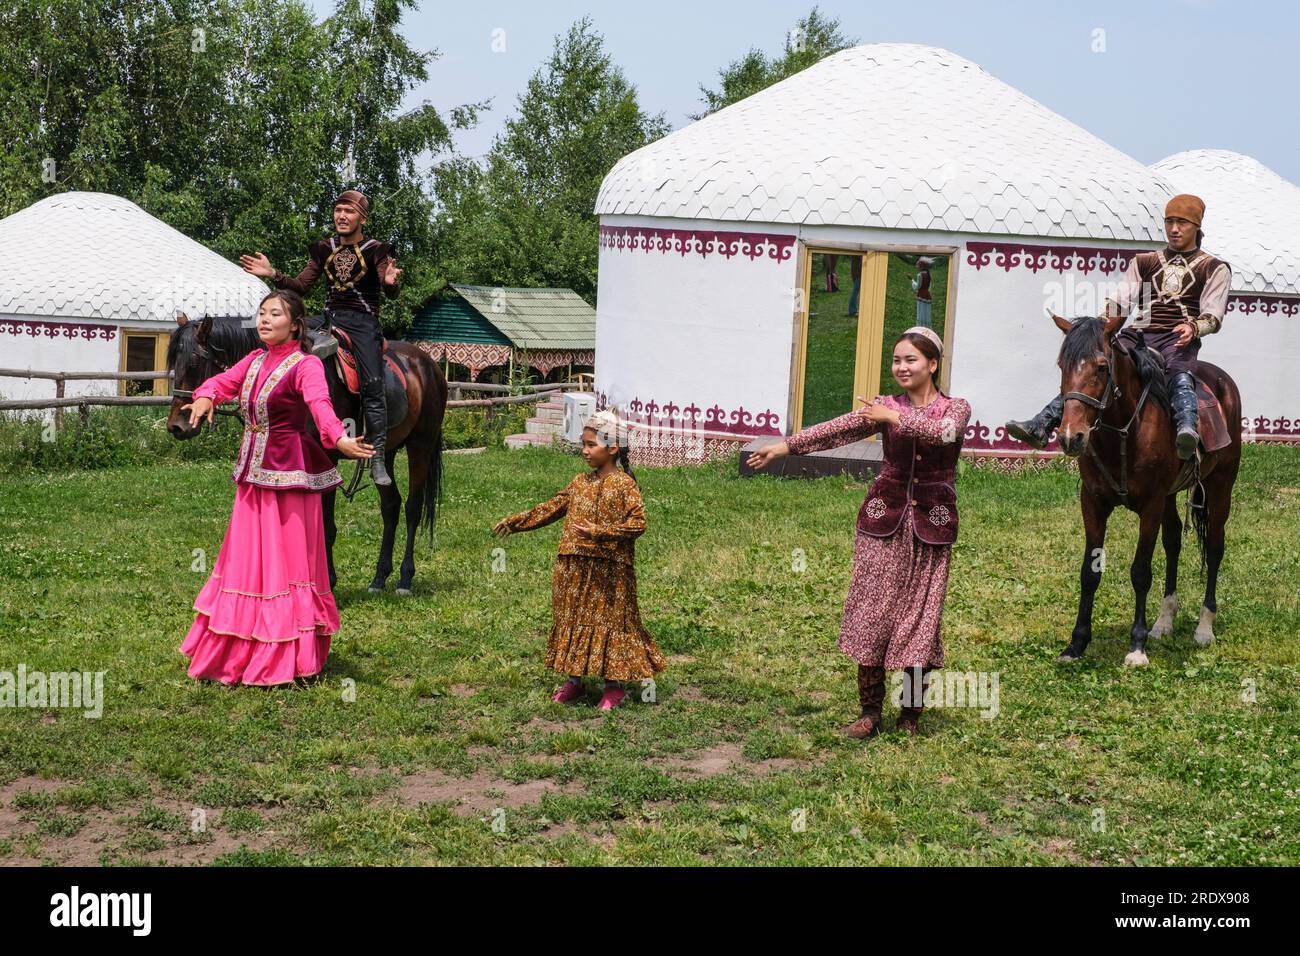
(266, 614)
(905, 528)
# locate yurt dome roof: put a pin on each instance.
(93, 255)
(1252, 216)
(898, 136)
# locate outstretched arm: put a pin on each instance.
(838, 431)
(316, 393)
(224, 386)
(301, 283)
(537, 517)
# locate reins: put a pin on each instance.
(1112, 391)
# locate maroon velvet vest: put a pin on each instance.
(1175, 285)
(916, 484)
(279, 449)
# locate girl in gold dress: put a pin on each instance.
(596, 629)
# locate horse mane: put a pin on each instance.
(228, 336)
(1085, 339)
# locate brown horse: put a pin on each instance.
(1117, 423)
(199, 350)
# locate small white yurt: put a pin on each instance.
(1252, 220)
(95, 286)
(707, 241)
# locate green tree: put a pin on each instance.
(526, 217)
(813, 38)
(236, 121)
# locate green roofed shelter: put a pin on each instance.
(483, 327)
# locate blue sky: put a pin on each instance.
(1175, 74)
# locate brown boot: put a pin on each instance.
(915, 681)
(871, 695)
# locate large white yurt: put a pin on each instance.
(97, 287)
(1252, 220)
(707, 238)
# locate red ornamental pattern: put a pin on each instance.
(1084, 259)
(656, 451)
(547, 360)
(705, 242)
(477, 356)
(473, 355)
(1262, 428)
(980, 437)
(1263, 304)
(739, 421)
(52, 330)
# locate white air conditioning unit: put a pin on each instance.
(578, 407)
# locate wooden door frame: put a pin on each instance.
(161, 339)
(870, 341)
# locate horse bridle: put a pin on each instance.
(1111, 391)
(206, 354)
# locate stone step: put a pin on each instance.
(526, 441)
(550, 429)
(549, 413)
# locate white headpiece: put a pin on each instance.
(612, 431)
(929, 333)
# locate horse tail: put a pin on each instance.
(1198, 517)
(436, 408)
(431, 491)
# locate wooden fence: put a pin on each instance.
(83, 403)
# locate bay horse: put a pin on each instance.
(199, 350)
(1117, 424)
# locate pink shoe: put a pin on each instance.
(570, 690)
(612, 697)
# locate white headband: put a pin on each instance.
(606, 424)
(928, 333)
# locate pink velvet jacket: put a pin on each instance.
(919, 471)
(280, 391)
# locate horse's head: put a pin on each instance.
(192, 359)
(1087, 377)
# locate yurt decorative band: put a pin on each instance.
(1011, 255)
(1263, 304)
(738, 421)
(752, 245)
(53, 330)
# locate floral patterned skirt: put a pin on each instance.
(596, 629)
(894, 609)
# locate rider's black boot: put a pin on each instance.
(1182, 399)
(1035, 430)
(375, 411)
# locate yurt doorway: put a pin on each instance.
(855, 305)
(916, 293)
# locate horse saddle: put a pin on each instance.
(332, 343)
(1211, 424)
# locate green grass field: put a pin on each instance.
(431, 737)
(832, 333)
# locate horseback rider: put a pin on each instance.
(356, 269)
(1181, 293)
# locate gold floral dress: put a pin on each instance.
(596, 628)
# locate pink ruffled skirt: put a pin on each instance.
(266, 614)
